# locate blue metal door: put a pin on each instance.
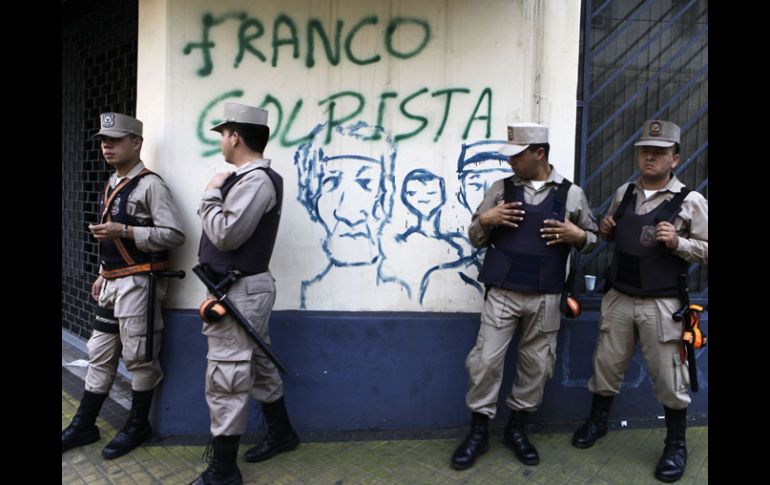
(640, 60)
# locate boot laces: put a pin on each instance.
(208, 453)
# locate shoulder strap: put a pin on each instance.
(627, 198)
(672, 207)
(560, 199)
(509, 190)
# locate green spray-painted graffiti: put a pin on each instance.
(486, 93)
(286, 33)
(206, 45)
(482, 112)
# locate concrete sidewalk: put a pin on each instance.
(623, 456)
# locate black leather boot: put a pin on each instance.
(671, 464)
(280, 434)
(137, 429)
(222, 469)
(516, 439)
(82, 430)
(596, 425)
(474, 445)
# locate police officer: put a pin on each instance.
(138, 224)
(240, 212)
(528, 222)
(659, 227)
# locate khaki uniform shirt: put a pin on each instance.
(229, 223)
(151, 201)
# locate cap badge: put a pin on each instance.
(656, 129)
(510, 133)
(108, 121)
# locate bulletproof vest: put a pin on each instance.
(122, 254)
(253, 256)
(640, 265)
(517, 258)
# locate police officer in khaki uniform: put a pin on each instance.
(240, 212)
(659, 227)
(528, 222)
(138, 224)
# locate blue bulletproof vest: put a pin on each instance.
(517, 258)
(639, 270)
(122, 253)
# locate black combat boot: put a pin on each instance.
(222, 469)
(280, 434)
(474, 445)
(515, 438)
(137, 429)
(82, 430)
(596, 425)
(671, 464)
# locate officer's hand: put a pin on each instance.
(503, 214)
(218, 180)
(562, 232)
(108, 230)
(96, 288)
(665, 232)
(607, 226)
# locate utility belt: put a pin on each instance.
(111, 274)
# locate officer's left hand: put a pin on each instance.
(108, 230)
(562, 232)
(665, 232)
(218, 180)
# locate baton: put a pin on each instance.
(684, 315)
(149, 343)
(219, 291)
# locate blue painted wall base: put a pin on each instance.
(392, 371)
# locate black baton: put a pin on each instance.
(149, 343)
(219, 291)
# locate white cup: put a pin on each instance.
(590, 282)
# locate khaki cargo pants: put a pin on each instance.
(237, 369)
(127, 296)
(626, 319)
(502, 313)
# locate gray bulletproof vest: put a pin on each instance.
(639, 270)
(517, 258)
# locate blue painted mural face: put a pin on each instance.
(346, 207)
(475, 183)
(347, 187)
(423, 193)
(478, 167)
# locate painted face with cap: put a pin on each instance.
(478, 166)
(475, 182)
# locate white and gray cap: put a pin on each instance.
(521, 136)
(241, 113)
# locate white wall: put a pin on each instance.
(517, 58)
